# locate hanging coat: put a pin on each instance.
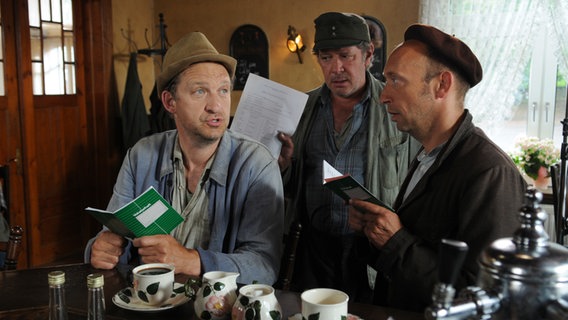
(135, 123)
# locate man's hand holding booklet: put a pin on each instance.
(347, 187)
(148, 214)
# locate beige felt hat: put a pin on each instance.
(192, 48)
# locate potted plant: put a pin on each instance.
(534, 157)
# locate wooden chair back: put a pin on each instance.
(289, 256)
(12, 248)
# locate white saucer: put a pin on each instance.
(126, 299)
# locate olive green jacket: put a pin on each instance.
(389, 153)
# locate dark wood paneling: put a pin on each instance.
(104, 130)
(69, 156)
(11, 147)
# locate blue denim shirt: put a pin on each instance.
(246, 202)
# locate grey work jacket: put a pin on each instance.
(389, 152)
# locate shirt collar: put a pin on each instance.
(432, 154)
(178, 158)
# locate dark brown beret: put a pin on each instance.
(449, 50)
(336, 30)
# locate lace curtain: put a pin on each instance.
(558, 16)
(501, 33)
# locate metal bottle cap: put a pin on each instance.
(56, 277)
(95, 280)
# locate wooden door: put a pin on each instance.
(55, 127)
(11, 147)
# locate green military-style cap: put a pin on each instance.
(336, 30)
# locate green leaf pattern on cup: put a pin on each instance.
(252, 310)
(275, 314)
(218, 286)
(178, 290)
(153, 288)
(125, 295)
(142, 296)
(209, 289)
(150, 289)
(205, 315)
(313, 316)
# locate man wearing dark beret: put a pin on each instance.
(461, 186)
(345, 124)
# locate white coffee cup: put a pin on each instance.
(153, 283)
(330, 304)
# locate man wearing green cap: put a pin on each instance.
(227, 187)
(345, 124)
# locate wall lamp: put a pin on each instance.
(294, 42)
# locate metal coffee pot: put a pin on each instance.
(523, 277)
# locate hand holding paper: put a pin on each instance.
(267, 108)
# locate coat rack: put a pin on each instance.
(164, 44)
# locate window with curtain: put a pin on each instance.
(523, 48)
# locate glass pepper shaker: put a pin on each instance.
(57, 304)
(96, 297)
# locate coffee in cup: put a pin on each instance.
(153, 283)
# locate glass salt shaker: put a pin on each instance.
(57, 304)
(96, 297)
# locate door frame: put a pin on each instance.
(97, 91)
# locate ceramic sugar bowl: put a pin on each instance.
(256, 301)
(214, 295)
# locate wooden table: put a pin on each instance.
(24, 295)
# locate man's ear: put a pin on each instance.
(445, 80)
(369, 55)
(168, 101)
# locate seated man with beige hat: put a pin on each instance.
(227, 187)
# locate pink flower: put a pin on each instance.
(218, 306)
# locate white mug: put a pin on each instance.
(153, 283)
(324, 304)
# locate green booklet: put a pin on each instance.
(347, 187)
(148, 214)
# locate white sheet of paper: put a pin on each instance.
(266, 108)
